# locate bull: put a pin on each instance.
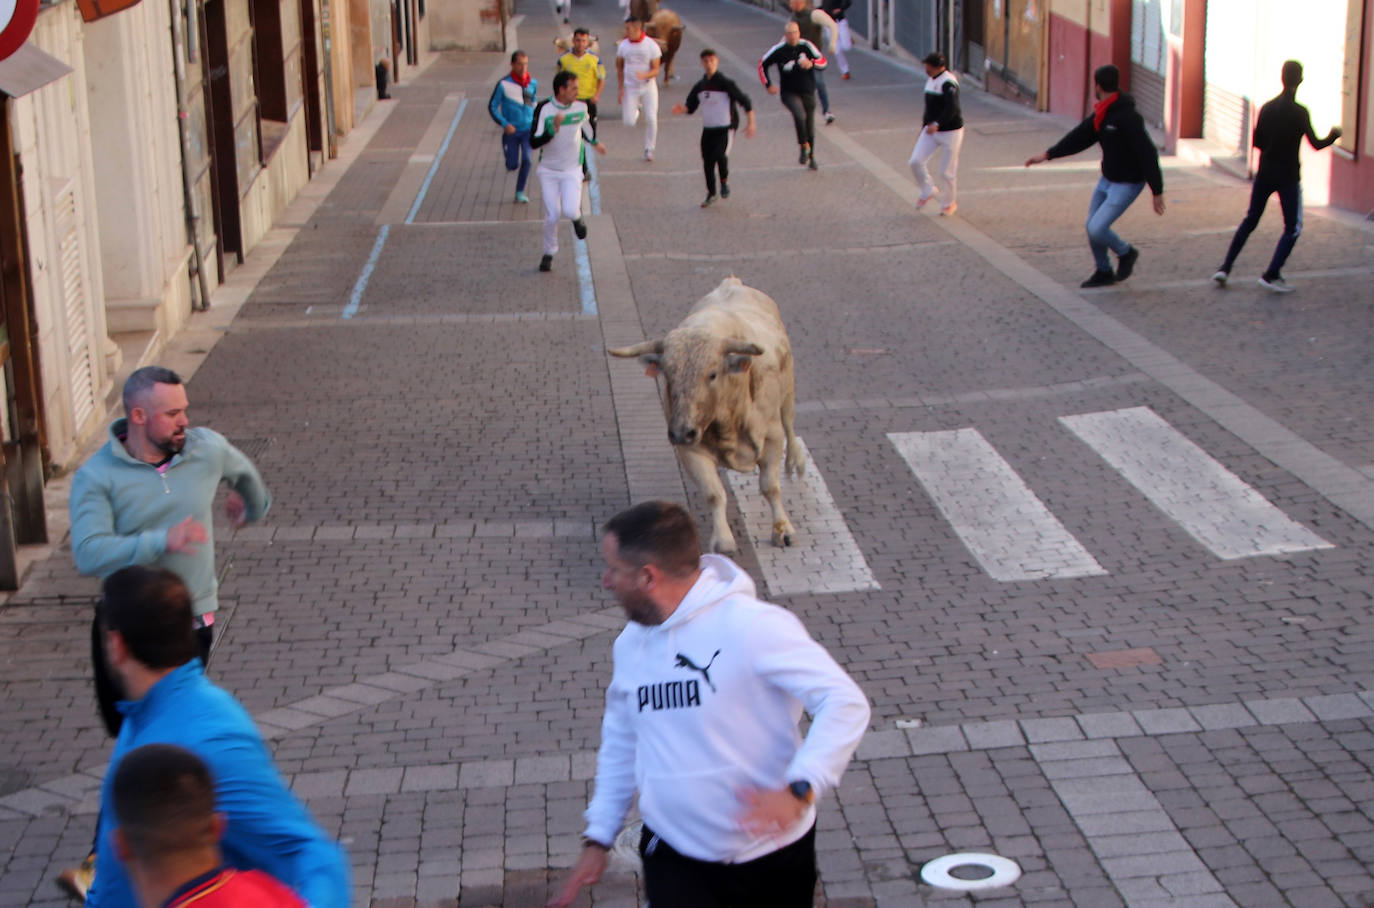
(666, 28)
(730, 400)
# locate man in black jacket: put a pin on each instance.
(1279, 132)
(717, 97)
(797, 61)
(1129, 162)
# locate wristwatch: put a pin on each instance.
(802, 791)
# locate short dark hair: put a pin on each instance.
(1292, 74)
(581, 31)
(164, 801)
(138, 384)
(935, 58)
(563, 78)
(708, 52)
(151, 609)
(517, 55)
(660, 533)
(1107, 77)
(634, 19)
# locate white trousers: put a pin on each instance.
(562, 192)
(927, 145)
(843, 42)
(647, 96)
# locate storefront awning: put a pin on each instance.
(29, 69)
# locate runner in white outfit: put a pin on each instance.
(637, 60)
(559, 127)
(942, 129)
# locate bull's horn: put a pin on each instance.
(742, 347)
(654, 346)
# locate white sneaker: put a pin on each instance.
(1276, 284)
(1220, 278)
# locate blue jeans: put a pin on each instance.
(1290, 201)
(1109, 202)
(518, 154)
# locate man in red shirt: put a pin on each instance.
(168, 836)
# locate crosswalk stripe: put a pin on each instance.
(1001, 522)
(823, 557)
(1210, 502)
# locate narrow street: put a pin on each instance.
(1100, 559)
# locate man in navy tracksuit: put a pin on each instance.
(1129, 162)
(1279, 132)
(512, 107)
(717, 97)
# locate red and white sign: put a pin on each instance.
(16, 22)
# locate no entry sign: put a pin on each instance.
(16, 22)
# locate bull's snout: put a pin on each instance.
(679, 436)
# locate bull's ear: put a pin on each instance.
(653, 364)
(738, 362)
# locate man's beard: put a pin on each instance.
(171, 445)
(640, 609)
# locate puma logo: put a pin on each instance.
(684, 662)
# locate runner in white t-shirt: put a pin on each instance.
(637, 59)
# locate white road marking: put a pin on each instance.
(823, 556)
(1210, 502)
(1001, 522)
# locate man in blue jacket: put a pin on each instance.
(145, 621)
(1130, 161)
(512, 107)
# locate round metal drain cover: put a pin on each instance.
(1003, 871)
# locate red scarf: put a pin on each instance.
(1100, 109)
(523, 81)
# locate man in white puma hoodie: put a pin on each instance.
(701, 720)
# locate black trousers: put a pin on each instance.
(1290, 203)
(715, 149)
(803, 110)
(107, 692)
(784, 879)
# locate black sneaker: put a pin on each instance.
(811, 162)
(1126, 263)
(709, 199)
(805, 153)
(724, 190)
(1099, 279)
(580, 228)
(546, 263)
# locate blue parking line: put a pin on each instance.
(584, 263)
(359, 286)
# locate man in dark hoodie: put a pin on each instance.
(1279, 132)
(717, 97)
(1129, 162)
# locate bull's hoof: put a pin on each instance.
(724, 545)
(782, 536)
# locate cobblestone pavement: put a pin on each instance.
(1100, 559)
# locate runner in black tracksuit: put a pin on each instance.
(717, 97)
(1279, 131)
(795, 59)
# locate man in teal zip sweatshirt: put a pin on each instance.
(146, 497)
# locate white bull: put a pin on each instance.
(730, 400)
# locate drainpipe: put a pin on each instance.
(187, 183)
(328, 78)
